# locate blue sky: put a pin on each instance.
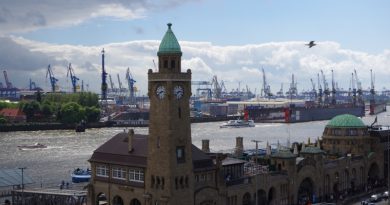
(350, 34)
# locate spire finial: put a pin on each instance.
(169, 25)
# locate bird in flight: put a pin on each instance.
(311, 44)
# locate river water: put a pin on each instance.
(67, 149)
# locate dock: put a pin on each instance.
(49, 196)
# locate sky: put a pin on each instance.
(228, 39)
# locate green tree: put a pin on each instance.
(47, 109)
(92, 114)
(30, 109)
(72, 113)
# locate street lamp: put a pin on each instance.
(257, 148)
(22, 168)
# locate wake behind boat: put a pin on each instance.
(34, 146)
(238, 123)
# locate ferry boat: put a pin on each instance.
(34, 146)
(238, 123)
(81, 175)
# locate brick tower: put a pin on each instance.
(169, 173)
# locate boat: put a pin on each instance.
(80, 175)
(238, 123)
(80, 127)
(34, 146)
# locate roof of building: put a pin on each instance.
(169, 43)
(116, 151)
(312, 150)
(346, 121)
(11, 112)
(232, 161)
(283, 153)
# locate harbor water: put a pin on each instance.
(67, 150)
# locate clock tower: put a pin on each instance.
(169, 173)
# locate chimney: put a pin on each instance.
(130, 140)
(206, 145)
(239, 147)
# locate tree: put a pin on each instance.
(2, 120)
(92, 114)
(72, 113)
(30, 109)
(47, 109)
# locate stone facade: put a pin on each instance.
(164, 168)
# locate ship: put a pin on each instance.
(292, 113)
(377, 107)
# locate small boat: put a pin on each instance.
(81, 175)
(238, 123)
(34, 146)
(80, 127)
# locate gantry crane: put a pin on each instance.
(326, 88)
(7, 82)
(104, 80)
(266, 89)
(130, 84)
(53, 80)
(319, 89)
(113, 89)
(73, 78)
(120, 84)
(359, 89)
(333, 90)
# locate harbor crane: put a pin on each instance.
(104, 80)
(293, 91)
(130, 83)
(266, 90)
(112, 86)
(73, 78)
(359, 89)
(280, 92)
(326, 88)
(7, 82)
(120, 84)
(203, 86)
(319, 89)
(217, 90)
(313, 89)
(372, 89)
(333, 90)
(53, 80)
(353, 86)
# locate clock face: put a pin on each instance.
(178, 90)
(160, 92)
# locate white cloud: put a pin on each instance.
(26, 15)
(232, 64)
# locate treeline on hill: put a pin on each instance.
(65, 108)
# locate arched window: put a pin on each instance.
(117, 200)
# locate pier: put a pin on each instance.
(49, 197)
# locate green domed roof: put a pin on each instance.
(346, 120)
(169, 43)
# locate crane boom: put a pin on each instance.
(104, 79)
(120, 84)
(53, 80)
(130, 83)
(73, 77)
(7, 83)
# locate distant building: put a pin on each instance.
(13, 115)
(164, 168)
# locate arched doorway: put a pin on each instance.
(262, 200)
(373, 175)
(272, 196)
(306, 191)
(117, 200)
(101, 199)
(135, 202)
(246, 199)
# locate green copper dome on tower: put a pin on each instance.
(169, 43)
(346, 121)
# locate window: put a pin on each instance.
(180, 156)
(118, 173)
(172, 63)
(136, 175)
(102, 171)
(165, 64)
